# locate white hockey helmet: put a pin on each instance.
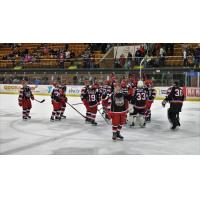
(140, 84)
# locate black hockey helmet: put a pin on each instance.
(176, 83)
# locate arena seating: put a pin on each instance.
(46, 60)
(177, 58)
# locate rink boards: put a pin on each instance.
(192, 93)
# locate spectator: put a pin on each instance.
(196, 57)
(108, 46)
(142, 50)
(85, 59)
(157, 49)
(166, 46)
(92, 60)
(61, 60)
(45, 50)
(122, 60)
(36, 81)
(67, 54)
(129, 60)
(162, 56)
(80, 80)
(185, 58)
(138, 56)
(145, 47)
(66, 46)
(156, 62)
(72, 54)
(148, 61)
(26, 51)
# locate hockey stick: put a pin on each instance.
(75, 104)
(76, 110)
(40, 101)
(103, 117)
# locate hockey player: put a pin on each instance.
(175, 97)
(124, 87)
(132, 85)
(56, 102)
(106, 98)
(98, 88)
(119, 102)
(24, 101)
(151, 96)
(84, 100)
(92, 98)
(63, 100)
(138, 100)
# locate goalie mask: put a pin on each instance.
(140, 84)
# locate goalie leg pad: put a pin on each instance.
(141, 120)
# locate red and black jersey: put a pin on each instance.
(151, 93)
(25, 93)
(107, 89)
(175, 97)
(119, 102)
(125, 90)
(139, 98)
(56, 95)
(131, 88)
(169, 90)
(83, 92)
(92, 96)
(100, 89)
(62, 93)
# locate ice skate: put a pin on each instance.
(87, 120)
(173, 127)
(114, 137)
(57, 118)
(63, 116)
(119, 136)
(52, 119)
(94, 123)
(25, 118)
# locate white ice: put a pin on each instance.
(73, 136)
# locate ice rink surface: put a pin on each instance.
(72, 136)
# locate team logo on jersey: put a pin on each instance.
(119, 101)
(27, 94)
